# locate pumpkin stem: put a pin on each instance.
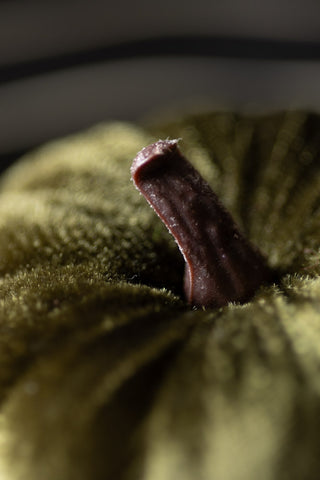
(221, 264)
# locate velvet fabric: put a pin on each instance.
(105, 371)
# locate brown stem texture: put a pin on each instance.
(221, 264)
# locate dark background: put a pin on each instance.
(65, 65)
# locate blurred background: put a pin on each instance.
(66, 64)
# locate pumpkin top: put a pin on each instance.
(106, 371)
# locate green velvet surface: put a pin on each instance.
(105, 371)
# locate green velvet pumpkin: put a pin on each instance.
(105, 372)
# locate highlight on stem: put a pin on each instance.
(222, 266)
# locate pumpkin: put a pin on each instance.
(106, 371)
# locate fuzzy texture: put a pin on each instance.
(105, 372)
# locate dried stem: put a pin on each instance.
(221, 264)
